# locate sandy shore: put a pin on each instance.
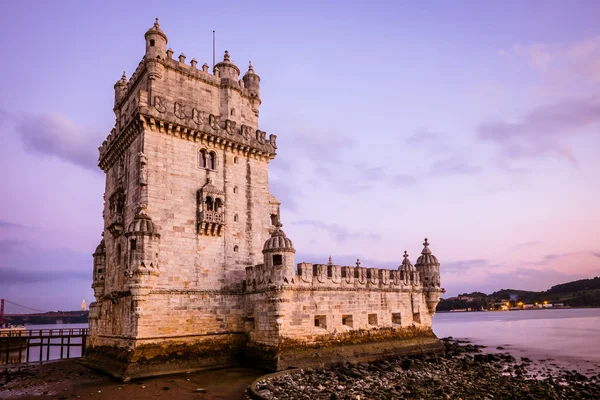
(69, 380)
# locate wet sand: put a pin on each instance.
(67, 379)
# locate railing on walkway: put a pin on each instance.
(37, 345)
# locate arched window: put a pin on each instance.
(151, 42)
(235, 189)
(233, 111)
(218, 205)
(235, 218)
(235, 160)
(209, 204)
(235, 248)
(202, 159)
(212, 160)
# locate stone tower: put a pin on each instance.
(194, 270)
(187, 209)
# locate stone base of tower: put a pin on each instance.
(133, 359)
(356, 346)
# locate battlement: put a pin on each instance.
(324, 276)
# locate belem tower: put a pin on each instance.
(194, 270)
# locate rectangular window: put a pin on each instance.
(277, 259)
(321, 321)
(329, 271)
(396, 319)
(347, 320)
(133, 243)
(372, 319)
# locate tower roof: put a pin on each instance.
(406, 265)
(142, 224)
(426, 257)
(227, 63)
(278, 241)
(156, 31)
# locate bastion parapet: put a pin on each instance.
(194, 270)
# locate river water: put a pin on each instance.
(567, 337)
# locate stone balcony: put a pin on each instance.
(211, 223)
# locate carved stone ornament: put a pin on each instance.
(143, 169)
(261, 136)
(230, 126)
(245, 131)
(198, 116)
(180, 111)
(273, 140)
(160, 104)
(215, 122)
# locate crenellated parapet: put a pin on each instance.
(329, 276)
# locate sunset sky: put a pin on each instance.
(475, 124)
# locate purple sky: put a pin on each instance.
(472, 123)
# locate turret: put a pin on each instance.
(429, 268)
(252, 82)
(408, 273)
(278, 253)
(227, 69)
(99, 270)
(120, 87)
(142, 268)
(156, 42)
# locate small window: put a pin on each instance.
(235, 160)
(118, 253)
(133, 244)
(235, 249)
(232, 112)
(273, 219)
(202, 159)
(151, 42)
(372, 319)
(277, 259)
(212, 160)
(321, 321)
(329, 271)
(235, 218)
(347, 320)
(396, 319)
(235, 189)
(100, 270)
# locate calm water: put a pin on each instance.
(570, 336)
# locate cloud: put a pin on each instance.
(454, 166)
(5, 224)
(527, 244)
(464, 265)
(542, 130)
(423, 136)
(285, 193)
(340, 233)
(11, 276)
(55, 135)
(595, 254)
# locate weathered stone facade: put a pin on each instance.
(194, 271)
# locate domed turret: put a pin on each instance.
(252, 82)
(156, 42)
(142, 225)
(426, 257)
(406, 265)
(278, 253)
(228, 69)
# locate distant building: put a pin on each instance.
(83, 306)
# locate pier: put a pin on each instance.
(18, 345)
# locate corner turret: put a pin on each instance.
(252, 82)
(120, 88)
(278, 253)
(227, 69)
(156, 42)
(429, 269)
